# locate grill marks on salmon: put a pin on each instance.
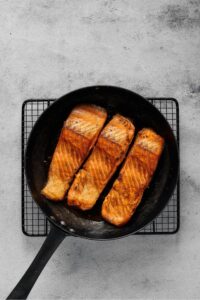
(78, 135)
(127, 191)
(108, 153)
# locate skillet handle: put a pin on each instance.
(24, 286)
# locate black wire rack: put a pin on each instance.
(34, 223)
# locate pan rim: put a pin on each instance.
(96, 87)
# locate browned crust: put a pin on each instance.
(108, 153)
(77, 137)
(135, 176)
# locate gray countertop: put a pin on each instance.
(48, 48)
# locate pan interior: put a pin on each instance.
(42, 142)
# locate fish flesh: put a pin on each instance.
(108, 153)
(135, 176)
(78, 136)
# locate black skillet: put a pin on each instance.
(68, 221)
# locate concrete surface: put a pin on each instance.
(48, 48)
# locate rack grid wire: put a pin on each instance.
(34, 223)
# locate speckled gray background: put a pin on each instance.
(48, 48)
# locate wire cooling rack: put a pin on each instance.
(34, 223)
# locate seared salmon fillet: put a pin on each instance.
(107, 154)
(135, 176)
(78, 135)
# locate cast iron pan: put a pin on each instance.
(69, 221)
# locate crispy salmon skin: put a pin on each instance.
(78, 135)
(107, 154)
(127, 191)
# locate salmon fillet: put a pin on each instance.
(107, 154)
(78, 135)
(135, 176)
